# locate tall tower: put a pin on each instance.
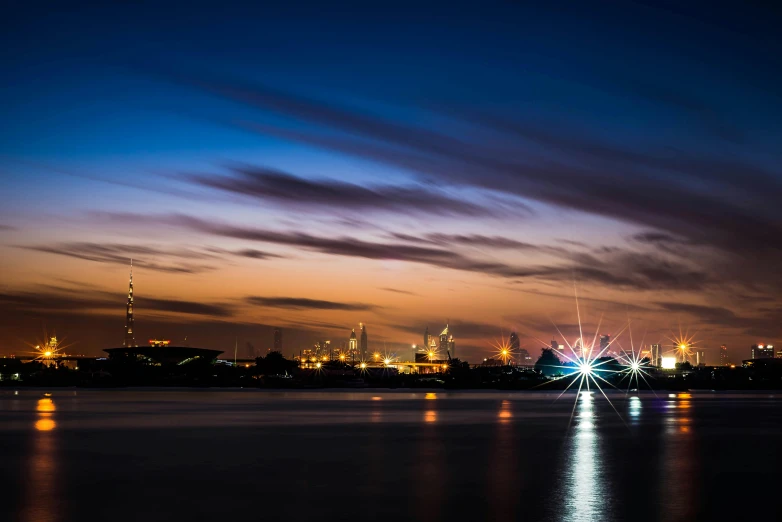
(723, 355)
(278, 340)
(129, 341)
(426, 339)
(364, 343)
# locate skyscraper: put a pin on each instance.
(515, 343)
(278, 340)
(723, 355)
(656, 355)
(762, 351)
(129, 339)
(444, 340)
(447, 346)
(353, 345)
(700, 357)
(426, 339)
(364, 343)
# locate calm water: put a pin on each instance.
(128, 455)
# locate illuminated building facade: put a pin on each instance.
(129, 340)
(322, 350)
(353, 352)
(700, 357)
(723, 355)
(278, 340)
(525, 358)
(447, 344)
(762, 351)
(443, 346)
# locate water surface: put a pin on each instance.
(242, 455)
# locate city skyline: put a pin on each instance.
(477, 178)
(355, 349)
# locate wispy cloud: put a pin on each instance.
(122, 253)
(398, 291)
(624, 268)
(300, 303)
(80, 299)
(329, 194)
(765, 324)
(570, 170)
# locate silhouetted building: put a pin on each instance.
(723, 355)
(762, 351)
(162, 354)
(129, 339)
(515, 342)
(278, 340)
(524, 357)
(364, 344)
(578, 349)
(554, 345)
(700, 357)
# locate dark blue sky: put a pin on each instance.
(647, 132)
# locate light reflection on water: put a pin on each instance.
(583, 476)
(502, 474)
(430, 492)
(492, 456)
(678, 470)
(634, 407)
(41, 485)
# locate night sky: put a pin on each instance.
(313, 167)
